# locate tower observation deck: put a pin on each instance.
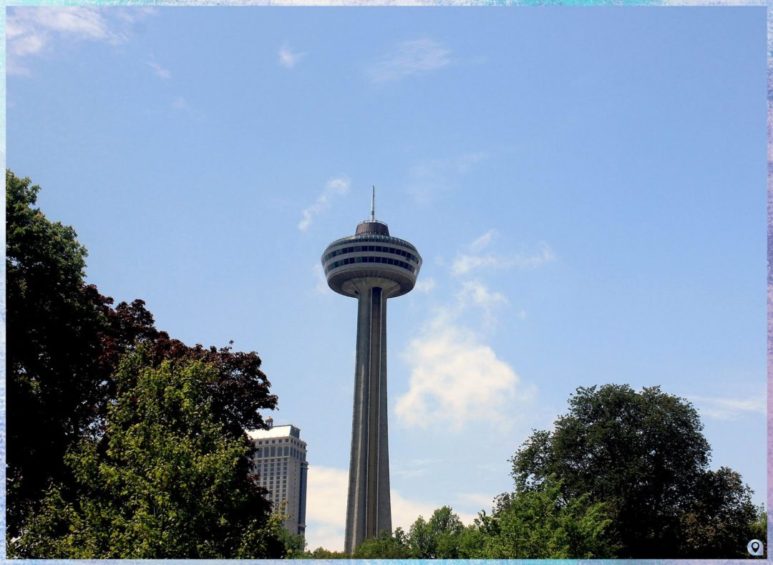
(370, 266)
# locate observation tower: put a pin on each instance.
(370, 266)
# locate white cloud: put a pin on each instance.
(723, 408)
(161, 72)
(180, 103)
(410, 58)
(289, 58)
(31, 31)
(456, 380)
(326, 508)
(475, 293)
(425, 285)
(483, 241)
(334, 187)
(320, 282)
(467, 262)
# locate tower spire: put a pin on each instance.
(373, 205)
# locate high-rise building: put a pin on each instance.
(281, 467)
(370, 266)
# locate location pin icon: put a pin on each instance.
(754, 548)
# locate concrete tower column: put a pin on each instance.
(371, 266)
(368, 510)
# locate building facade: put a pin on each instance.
(281, 467)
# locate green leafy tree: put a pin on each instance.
(54, 378)
(721, 518)
(386, 546)
(65, 341)
(760, 527)
(644, 456)
(437, 537)
(165, 480)
(322, 553)
(541, 523)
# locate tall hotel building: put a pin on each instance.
(280, 463)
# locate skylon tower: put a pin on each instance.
(370, 266)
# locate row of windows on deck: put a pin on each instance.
(358, 248)
(384, 260)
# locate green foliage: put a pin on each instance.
(644, 456)
(438, 537)
(53, 327)
(721, 517)
(760, 527)
(164, 481)
(540, 523)
(322, 553)
(536, 524)
(386, 546)
(65, 341)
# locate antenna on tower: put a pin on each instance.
(373, 205)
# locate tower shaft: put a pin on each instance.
(368, 511)
(371, 266)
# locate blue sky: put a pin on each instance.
(586, 187)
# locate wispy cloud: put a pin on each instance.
(413, 468)
(320, 282)
(160, 72)
(410, 58)
(425, 285)
(326, 508)
(475, 293)
(334, 187)
(474, 258)
(289, 58)
(456, 378)
(723, 408)
(430, 178)
(32, 31)
(483, 241)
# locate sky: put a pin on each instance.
(586, 188)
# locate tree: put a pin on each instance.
(644, 456)
(54, 377)
(541, 523)
(720, 516)
(65, 341)
(322, 553)
(438, 537)
(164, 481)
(385, 546)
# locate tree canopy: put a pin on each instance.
(537, 524)
(643, 455)
(166, 481)
(66, 343)
(54, 379)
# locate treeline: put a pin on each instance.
(624, 474)
(122, 442)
